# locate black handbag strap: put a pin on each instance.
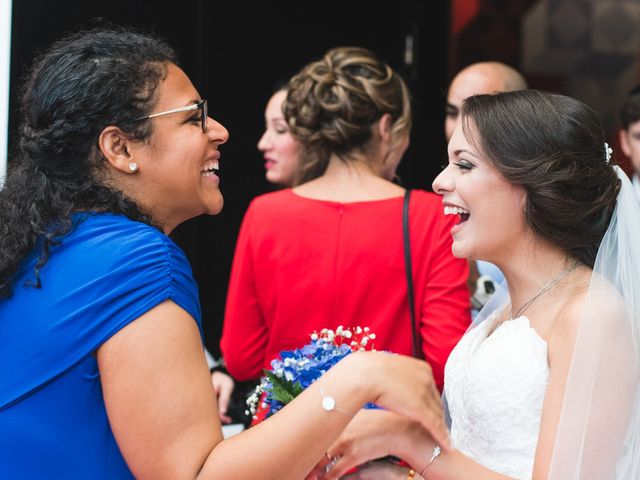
(417, 344)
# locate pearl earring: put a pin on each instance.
(133, 167)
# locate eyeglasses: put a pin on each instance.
(201, 105)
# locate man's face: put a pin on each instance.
(630, 143)
(465, 84)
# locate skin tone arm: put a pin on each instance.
(375, 434)
(163, 411)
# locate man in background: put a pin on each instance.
(630, 135)
(478, 78)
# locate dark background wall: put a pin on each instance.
(235, 53)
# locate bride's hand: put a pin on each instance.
(406, 386)
(405, 389)
(371, 434)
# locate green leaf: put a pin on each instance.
(283, 390)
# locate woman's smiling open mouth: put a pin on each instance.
(463, 214)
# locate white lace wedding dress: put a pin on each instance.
(495, 382)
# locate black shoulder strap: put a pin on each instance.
(417, 344)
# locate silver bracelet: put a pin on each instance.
(435, 454)
(329, 404)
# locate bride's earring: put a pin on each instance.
(133, 167)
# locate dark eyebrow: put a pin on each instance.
(462, 150)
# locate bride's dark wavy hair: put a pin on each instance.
(81, 84)
(553, 147)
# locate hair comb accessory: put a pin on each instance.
(607, 152)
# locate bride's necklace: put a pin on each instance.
(544, 289)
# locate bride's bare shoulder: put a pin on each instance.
(596, 303)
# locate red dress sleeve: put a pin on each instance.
(244, 333)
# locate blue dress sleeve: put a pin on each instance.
(102, 276)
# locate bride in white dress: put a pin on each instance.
(545, 383)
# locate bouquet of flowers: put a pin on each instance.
(296, 369)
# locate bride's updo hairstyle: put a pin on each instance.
(333, 103)
(554, 147)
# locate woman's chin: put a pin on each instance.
(275, 178)
(215, 207)
(459, 251)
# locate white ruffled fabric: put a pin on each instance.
(495, 385)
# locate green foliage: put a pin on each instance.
(283, 390)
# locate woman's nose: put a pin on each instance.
(443, 182)
(216, 131)
(263, 142)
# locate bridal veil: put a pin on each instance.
(598, 432)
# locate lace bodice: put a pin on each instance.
(495, 387)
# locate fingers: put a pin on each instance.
(338, 466)
(436, 426)
(428, 409)
(433, 419)
(223, 385)
(224, 397)
(320, 470)
(433, 403)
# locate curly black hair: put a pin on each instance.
(81, 84)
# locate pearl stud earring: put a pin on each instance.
(133, 167)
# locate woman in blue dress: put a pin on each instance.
(102, 371)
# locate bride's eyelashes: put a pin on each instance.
(464, 165)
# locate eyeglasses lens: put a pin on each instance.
(205, 116)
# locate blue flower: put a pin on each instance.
(295, 370)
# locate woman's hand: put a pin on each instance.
(223, 384)
(373, 434)
(405, 385)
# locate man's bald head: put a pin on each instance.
(482, 77)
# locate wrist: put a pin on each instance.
(401, 435)
(428, 472)
(218, 365)
(414, 445)
(362, 371)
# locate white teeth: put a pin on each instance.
(449, 210)
(210, 166)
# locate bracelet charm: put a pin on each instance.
(435, 454)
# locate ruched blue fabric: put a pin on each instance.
(104, 274)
